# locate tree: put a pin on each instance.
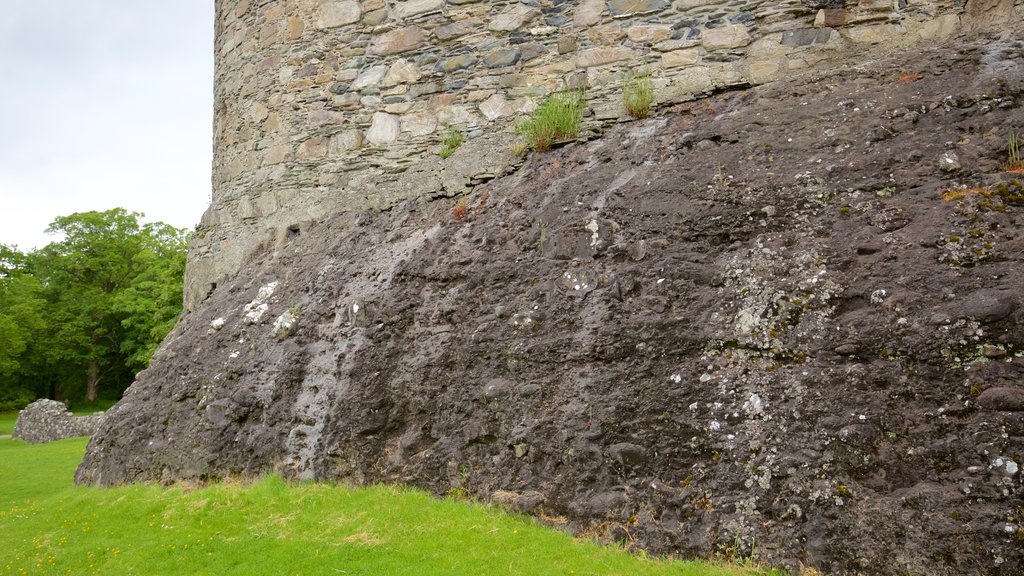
(21, 307)
(113, 290)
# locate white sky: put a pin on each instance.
(103, 104)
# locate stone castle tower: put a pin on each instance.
(332, 105)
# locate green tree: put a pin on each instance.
(21, 316)
(113, 290)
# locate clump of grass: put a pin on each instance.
(558, 117)
(1016, 163)
(452, 139)
(638, 95)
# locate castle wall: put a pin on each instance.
(334, 105)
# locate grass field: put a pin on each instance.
(49, 527)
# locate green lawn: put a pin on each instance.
(49, 527)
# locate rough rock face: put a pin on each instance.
(50, 420)
(781, 315)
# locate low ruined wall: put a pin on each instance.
(49, 420)
(331, 105)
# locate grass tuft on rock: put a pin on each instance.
(638, 95)
(558, 117)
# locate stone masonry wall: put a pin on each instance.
(331, 105)
(49, 420)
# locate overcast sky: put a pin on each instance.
(105, 103)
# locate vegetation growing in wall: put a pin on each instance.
(81, 316)
(1015, 160)
(450, 142)
(558, 117)
(638, 94)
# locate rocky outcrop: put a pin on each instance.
(49, 420)
(781, 320)
(331, 106)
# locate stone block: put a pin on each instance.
(513, 18)
(649, 33)
(384, 128)
(419, 123)
(677, 58)
(398, 41)
(333, 14)
(407, 8)
(402, 71)
(457, 29)
(369, 78)
(345, 142)
(312, 149)
(626, 8)
(830, 18)
(606, 35)
(601, 56)
(731, 36)
(460, 62)
(496, 107)
(501, 57)
(588, 12)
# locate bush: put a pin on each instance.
(638, 95)
(452, 139)
(15, 399)
(557, 118)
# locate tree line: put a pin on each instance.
(81, 316)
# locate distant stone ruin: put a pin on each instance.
(49, 420)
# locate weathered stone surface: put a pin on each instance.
(49, 420)
(385, 128)
(369, 78)
(419, 123)
(335, 13)
(402, 71)
(513, 18)
(599, 56)
(501, 57)
(606, 35)
(1002, 398)
(732, 36)
(397, 41)
(496, 107)
(457, 29)
(345, 142)
(649, 33)
(408, 8)
(457, 62)
(623, 8)
(588, 12)
(830, 18)
(676, 58)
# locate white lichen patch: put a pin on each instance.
(266, 291)
(217, 324)
(284, 325)
(753, 406)
(595, 236)
(254, 311)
